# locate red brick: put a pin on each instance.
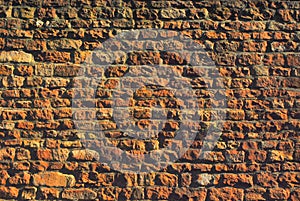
(255, 194)
(218, 194)
(7, 153)
(167, 180)
(54, 56)
(83, 194)
(266, 180)
(279, 193)
(155, 193)
(49, 193)
(20, 179)
(9, 192)
(3, 177)
(6, 70)
(53, 179)
(244, 180)
(249, 59)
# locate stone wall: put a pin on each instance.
(54, 86)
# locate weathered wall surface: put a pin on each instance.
(254, 46)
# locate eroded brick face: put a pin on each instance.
(45, 48)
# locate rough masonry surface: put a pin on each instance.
(254, 45)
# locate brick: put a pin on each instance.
(253, 26)
(82, 194)
(252, 46)
(284, 46)
(235, 156)
(143, 58)
(249, 59)
(33, 81)
(167, 180)
(53, 56)
(41, 114)
(16, 43)
(53, 179)
(6, 70)
(226, 59)
(47, 13)
(285, 15)
(198, 13)
(22, 154)
(158, 193)
(84, 155)
(64, 44)
(252, 14)
(293, 59)
(215, 35)
(55, 3)
(261, 70)
(263, 35)
(257, 155)
(280, 71)
(27, 12)
(145, 13)
(25, 125)
(67, 70)
(4, 176)
(7, 153)
(238, 35)
(244, 180)
(9, 192)
(52, 154)
(123, 23)
(276, 155)
(255, 194)
(124, 13)
(56, 82)
(137, 193)
(20, 179)
(11, 81)
(224, 46)
(295, 195)
(6, 11)
(35, 45)
(24, 70)
(105, 179)
(279, 193)
(190, 193)
(81, 57)
(49, 193)
(16, 56)
(281, 36)
(265, 82)
(108, 193)
(213, 156)
(206, 179)
(17, 33)
(266, 179)
(220, 13)
(13, 115)
(276, 114)
(29, 193)
(218, 194)
(172, 13)
(236, 115)
(288, 179)
(126, 180)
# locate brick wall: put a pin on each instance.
(57, 95)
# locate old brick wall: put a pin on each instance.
(254, 46)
